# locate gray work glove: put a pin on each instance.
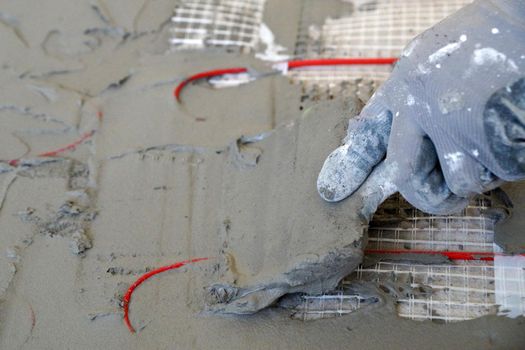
(450, 119)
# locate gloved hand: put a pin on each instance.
(450, 119)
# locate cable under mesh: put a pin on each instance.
(455, 291)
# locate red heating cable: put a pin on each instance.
(56, 152)
(290, 65)
(206, 75)
(127, 297)
(69, 147)
(341, 62)
(452, 255)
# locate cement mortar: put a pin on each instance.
(164, 182)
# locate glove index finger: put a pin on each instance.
(365, 145)
(379, 185)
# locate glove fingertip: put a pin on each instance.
(339, 177)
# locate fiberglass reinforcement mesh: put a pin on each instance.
(455, 291)
(205, 23)
(380, 28)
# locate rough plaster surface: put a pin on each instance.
(160, 182)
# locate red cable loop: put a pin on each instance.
(127, 297)
(206, 75)
(291, 65)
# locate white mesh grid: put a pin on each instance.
(469, 231)
(379, 30)
(458, 292)
(337, 304)
(200, 23)
(383, 30)
(461, 290)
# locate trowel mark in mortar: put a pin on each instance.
(32, 316)
(12, 23)
(71, 220)
(103, 11)
(9, 181)
(27, 111)
(119, 270)
(5, 282)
